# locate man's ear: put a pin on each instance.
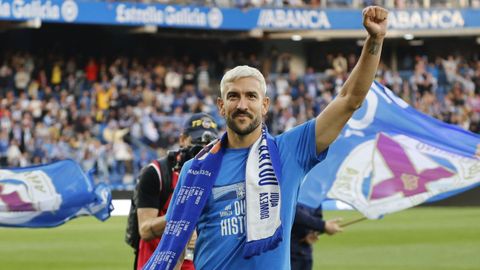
(220, 106)
(183, 140)
(265, 105)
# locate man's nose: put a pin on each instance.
(242, 103)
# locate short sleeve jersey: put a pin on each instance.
(221, 226)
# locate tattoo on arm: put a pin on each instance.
(373, 47)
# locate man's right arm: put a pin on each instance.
(334, 117)
(150, 225)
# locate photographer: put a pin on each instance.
(199, 130)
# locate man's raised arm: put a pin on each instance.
(331, 121)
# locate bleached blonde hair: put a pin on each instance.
(242, 72)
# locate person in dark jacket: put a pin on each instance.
(308, 225)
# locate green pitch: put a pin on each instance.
(83, 243)
(418, 239)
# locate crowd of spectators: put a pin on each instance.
(447, 88)
(116, 115)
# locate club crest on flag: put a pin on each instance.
(398, 172)
(390, 157)
(24, 195)
(48, 195)
(407, 172)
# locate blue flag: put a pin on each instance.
(49, 195)
(390, 157)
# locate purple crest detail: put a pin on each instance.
(14, 202)
(406, 179)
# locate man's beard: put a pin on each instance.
(249, 129)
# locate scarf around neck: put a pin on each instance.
(263, 201)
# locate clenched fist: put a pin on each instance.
(375, 21)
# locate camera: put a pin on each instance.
(176, 158)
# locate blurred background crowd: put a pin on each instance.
(117, 114)
(113, 109)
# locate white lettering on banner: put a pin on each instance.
(35, 9)
(171, 15)
(146, 15)
(293, 18)
(4, 9)
(436, 19)
(185, 16)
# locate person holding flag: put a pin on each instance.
(240, 192)
(308, 225)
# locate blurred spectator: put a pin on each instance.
(340, 64)
(115, 115)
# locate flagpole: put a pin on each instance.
(348, 223)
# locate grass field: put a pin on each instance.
(417, 239)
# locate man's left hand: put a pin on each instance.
(333, 226)
(375, 21)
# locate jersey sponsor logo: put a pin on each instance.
(202, 172)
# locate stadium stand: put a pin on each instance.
(113, 100)
(110, 114)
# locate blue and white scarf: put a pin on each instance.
(263, 201)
